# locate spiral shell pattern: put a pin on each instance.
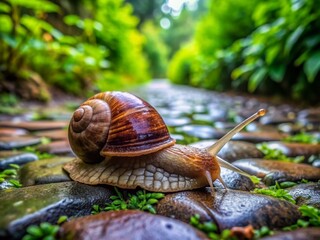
(88, 130)
(116, 124)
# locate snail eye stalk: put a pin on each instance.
(216, 147)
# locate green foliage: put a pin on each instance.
(142, 200)
(101, 50)
(311, 218)
(41, 155)
(180, 68)
(262, 232)
(210, 229)
(302, 138)
(45, 231)
(10, 175)
(8, 100)
(276, 191)
(217, 29)
(276, 154)
(282, 51)
(276, 51)
(8, 104)
(155, 49)
(255, 179)
(211, 65)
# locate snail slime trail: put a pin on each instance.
(108, 133)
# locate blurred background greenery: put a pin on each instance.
(269, 47)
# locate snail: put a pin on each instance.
(121, 140)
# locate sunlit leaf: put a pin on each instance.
(42, 5)
(312, 66)
(256, 78)
(71, 19)
(272, 53)
(293, 38)
(4, 8)
(236, 73)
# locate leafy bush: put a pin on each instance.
(276, 51)
(211, 65)
(154, 48)
(283, 54)
(225, 22)
(103, 47)
(180, 68)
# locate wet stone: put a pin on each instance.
(233, 150)
(272, 170)
(9, 142)
(277, 117)
(177, 137)
(308, 193)
(200, 108)
(217, 113)
(229, 208)
(27, 206)
(311, 233)
(316, 163)
(60, 134)
(176, 122)
(234, 181)
(258, 137)
(44, 171)
(5, 185)
(13, 132)
(226, 126)
(290, 128)
(202, 119)
(128, 224)
(18, 158)
(311, 115)
(200, 131)
(56, 148)
(296, 149)
(35, 125)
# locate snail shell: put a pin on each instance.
(116, 124)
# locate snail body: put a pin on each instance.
(162, 171)
(121, 140)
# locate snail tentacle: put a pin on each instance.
(216, 147)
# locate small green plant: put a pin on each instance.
(142, 200)
(255, 179)
(302, 138)
(41, 155)
(210, 229)
(10, 175)
(276, 191)
(44, 231)
(8, 104)
(276, 154)
(311, 218)
(262, 232)
(62, 219)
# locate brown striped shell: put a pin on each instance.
(116, 124)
